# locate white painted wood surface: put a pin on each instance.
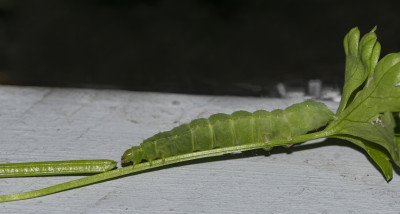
(43, 124)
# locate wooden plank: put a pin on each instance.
(41, 124)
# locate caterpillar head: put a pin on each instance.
(134, 154)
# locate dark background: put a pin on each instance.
(235, 47)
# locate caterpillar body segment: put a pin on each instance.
(223, 130)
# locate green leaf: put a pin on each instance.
(381, 93)
(370, 95)
(376, 153)
(381, 159)
(378, 129)
(361, 115)
(361, 59)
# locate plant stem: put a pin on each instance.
(157, 163)
(48, 168)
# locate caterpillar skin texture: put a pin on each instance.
(223, 130)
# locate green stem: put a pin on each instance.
(157, 163)
(48, 168)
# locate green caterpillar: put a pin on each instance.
(223, 130)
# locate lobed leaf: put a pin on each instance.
(380, 93)
(361, 59)
(365, 113)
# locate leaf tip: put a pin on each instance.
(388, 176)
